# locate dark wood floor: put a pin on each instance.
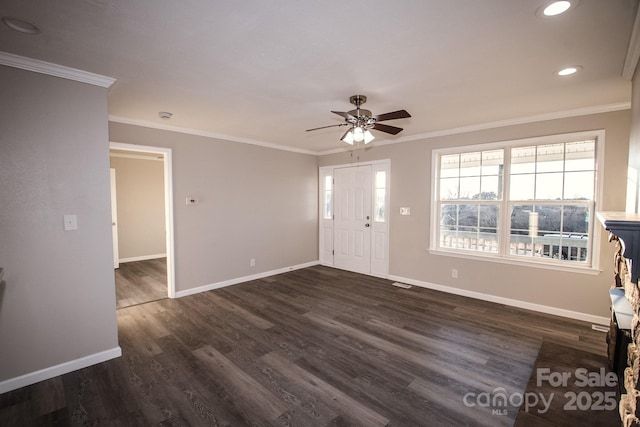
(313, 347)
(139, 282)
(570, 402)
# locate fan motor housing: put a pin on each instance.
(357, 100)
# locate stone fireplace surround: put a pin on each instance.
(623, 338)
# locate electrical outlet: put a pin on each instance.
(454, 273)
(252, 262)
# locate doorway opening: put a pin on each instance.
(151, 276)
(354, 217)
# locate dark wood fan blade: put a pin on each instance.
(400, 114)
(345, 115)
(324, 127)
(386, 128)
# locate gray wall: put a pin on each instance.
(58, 303)
(140, 200)
(254, 202)
(409, 235)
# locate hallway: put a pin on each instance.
(141, 281)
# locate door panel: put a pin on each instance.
(352, 218)
(379, 246)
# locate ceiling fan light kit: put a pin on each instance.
(357, 134)
(348, 137)
(361, 122)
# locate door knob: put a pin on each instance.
(366, 225)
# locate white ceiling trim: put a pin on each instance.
(502, 123)
(198, 132)
(48, 68)
(633, 51)
(445, 132)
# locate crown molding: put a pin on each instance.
(48, 68)
(198, 132)
(633, 51)
(598, 109)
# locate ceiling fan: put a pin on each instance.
(361, 121)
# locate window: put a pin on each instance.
(530, 200)
(470, 195)
(380, 196)
(328, 188)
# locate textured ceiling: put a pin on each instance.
(267, 70)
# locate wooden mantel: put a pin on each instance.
(626, 227)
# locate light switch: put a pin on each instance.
(70, 222)
(405, 211)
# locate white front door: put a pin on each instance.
(114, 219)
(352, 218)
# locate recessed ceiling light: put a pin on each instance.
(555, 8)
(569, 70)
(165, 115)
(20, 25)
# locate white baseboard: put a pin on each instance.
(141, 258)
(598, 320)
(61, 369)
(230, 282)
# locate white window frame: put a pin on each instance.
(590, 267)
